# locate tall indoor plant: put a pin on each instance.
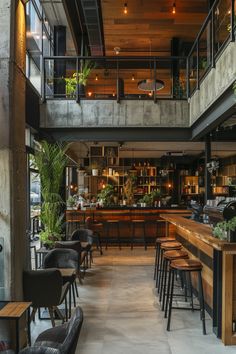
(79, 79)
(51, 161)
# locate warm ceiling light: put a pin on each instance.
(113, 94)
(90, 93)
(125, 8)
(132, 77)
(229, 12)
(96, 77)
(174, 8)
(150, 93)
(117, 50)
(150, 85)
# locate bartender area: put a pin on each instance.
(177, 202)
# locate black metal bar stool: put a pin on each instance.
(159, 241)
(165, 246)
(185, 266)
(169, 256)
(138, 225)
(115, 226)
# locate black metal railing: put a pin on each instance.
(118, 77)
(216, 32)
(114, 77)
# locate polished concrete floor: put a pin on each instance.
(122, 314)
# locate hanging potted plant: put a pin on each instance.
(79, 79)
(51, 161)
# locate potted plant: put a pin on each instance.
(79, 79)
(226, 230)
(105, 197)
(146, 200)
(71, 202)
(50, 160)
(129, 189)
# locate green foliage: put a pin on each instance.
(222, 228)
(51, 161)
(149, 199)
(106, 195)
(80, 77)
(179, 90)
(71, 201)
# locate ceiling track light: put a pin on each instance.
(174, 8)
(96, 77)
(133, 78)
(125, 8)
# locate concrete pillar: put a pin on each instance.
(12, 149)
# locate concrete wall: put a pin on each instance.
(12, 149)
(215, 83)
(107, 113)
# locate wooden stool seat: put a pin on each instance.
(112, 221)
(186, 264)
(171, 255)
(171, 246)
(165, 239)
(138, 221)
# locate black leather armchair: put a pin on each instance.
(59, 340)
(44, 288)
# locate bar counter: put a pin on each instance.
(219, 272)
(125, 215)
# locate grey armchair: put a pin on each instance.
(59, 340)
(44, 288)
(85, 236)
(64, 258)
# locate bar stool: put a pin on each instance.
(166, 246)
(169, 256)
(115, 226)
(160, 240)
(138, 224)
(185, 266)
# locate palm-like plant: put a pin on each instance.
(51, 160)
(79, 78)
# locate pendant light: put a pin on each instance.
(150, 84)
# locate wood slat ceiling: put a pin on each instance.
(150, 24)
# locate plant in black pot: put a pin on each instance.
(226, 230)
(79, 79)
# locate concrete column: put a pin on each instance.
(12, 149)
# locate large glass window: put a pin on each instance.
(39, 41)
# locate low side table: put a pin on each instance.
(14, 311)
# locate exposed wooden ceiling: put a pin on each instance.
(150, 24)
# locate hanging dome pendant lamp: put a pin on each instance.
(151, 84)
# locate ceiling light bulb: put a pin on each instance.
(89, 93)
(132, 77)
(117, 50)
(96, 77)
(113, 94)
(125, 8)
(174, 8)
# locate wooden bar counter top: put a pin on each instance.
(219, 272)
